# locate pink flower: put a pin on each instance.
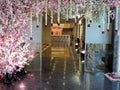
(32, 52)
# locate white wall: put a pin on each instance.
(36, 42)
(94, 33)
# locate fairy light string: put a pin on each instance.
(46, 12)
(67, 13)
(58, 12)
(108, 26)
(31, 32)
(116, 20)
(103, 20)
(70, 12)
(51, 17)
(37, 17)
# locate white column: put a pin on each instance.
(40, 42)
(118, 60)
(117, 28)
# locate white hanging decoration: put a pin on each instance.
(70, 12)
(31, 33)
(103, 20)
(76, 16)
(91, 11)
(58, 12)
(77, 10)
(117, 20)
(67, 13)
(108, 26)
(46, 12)
(37, 17)
(51, 17)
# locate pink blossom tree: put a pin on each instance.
(14, 51)
(14, 39)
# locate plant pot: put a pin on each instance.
(9, 78)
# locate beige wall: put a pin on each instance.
(46, 32)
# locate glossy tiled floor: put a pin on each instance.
(61, 70)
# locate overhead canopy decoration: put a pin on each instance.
(13, 10)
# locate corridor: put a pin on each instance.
(59, 44)
(62, 69)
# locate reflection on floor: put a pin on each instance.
(44, 47)
(61, 72)
(59, 52)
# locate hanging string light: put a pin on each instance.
(91, 11)
(103, 20)
(37, 17)
(58, 12)
(108, 26)
(46, 12)
(81, 5)
(67, 13)
(51, 17)
(70, 12)
(77, 10)
(76, 14)
(116, 20)
(31, 33)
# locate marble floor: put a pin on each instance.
(62, 69)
